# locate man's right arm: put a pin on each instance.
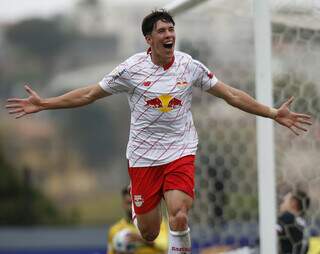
(75, 98)
(34, 103)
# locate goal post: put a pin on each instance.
(265, 131)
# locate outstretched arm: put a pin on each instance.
(245, 102)
(34, 103)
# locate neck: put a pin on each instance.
(160, 60)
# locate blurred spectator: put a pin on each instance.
(122, 242)
(124, 237)
(314, 245)
(291, 224)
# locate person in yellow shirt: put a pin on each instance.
(158, 246)
(314, 245)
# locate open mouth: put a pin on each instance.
(168, 45)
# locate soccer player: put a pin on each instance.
(158, 246)
(291, 224)
(163, 140)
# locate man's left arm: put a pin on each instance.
(240, 99)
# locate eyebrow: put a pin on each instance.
(163, 28)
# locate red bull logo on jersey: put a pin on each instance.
(138, 200)
(164, 103)
(182, 83)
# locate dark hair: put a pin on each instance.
(125, 191)
(302, 200)
(150, 20)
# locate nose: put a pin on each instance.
(169, 33)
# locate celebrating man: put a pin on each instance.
(163, 140)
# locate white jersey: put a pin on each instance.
(161, 128)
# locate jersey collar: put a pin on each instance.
(165, 67)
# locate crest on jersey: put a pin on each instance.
(164, 103)
(138, 200)
(181, 83)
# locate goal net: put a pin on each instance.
(221, 35)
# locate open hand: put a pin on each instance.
(21, 107)
(294, 121)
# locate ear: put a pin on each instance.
(148, 39)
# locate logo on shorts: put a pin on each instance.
(138, 200)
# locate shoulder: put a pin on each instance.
(185, 58)
(182, 56)
(284, 220)
(136, 59)
(125, 67)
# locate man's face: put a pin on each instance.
(287, 203)
(162, 39)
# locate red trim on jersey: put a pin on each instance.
(166, 66)
(210, 75)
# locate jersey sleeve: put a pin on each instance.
(116, 81)
(202, 76)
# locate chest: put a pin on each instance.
(158, 81)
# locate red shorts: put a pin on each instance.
(148, 184)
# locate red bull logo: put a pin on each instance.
(181, 83)
(138, 200)
(164, 103)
